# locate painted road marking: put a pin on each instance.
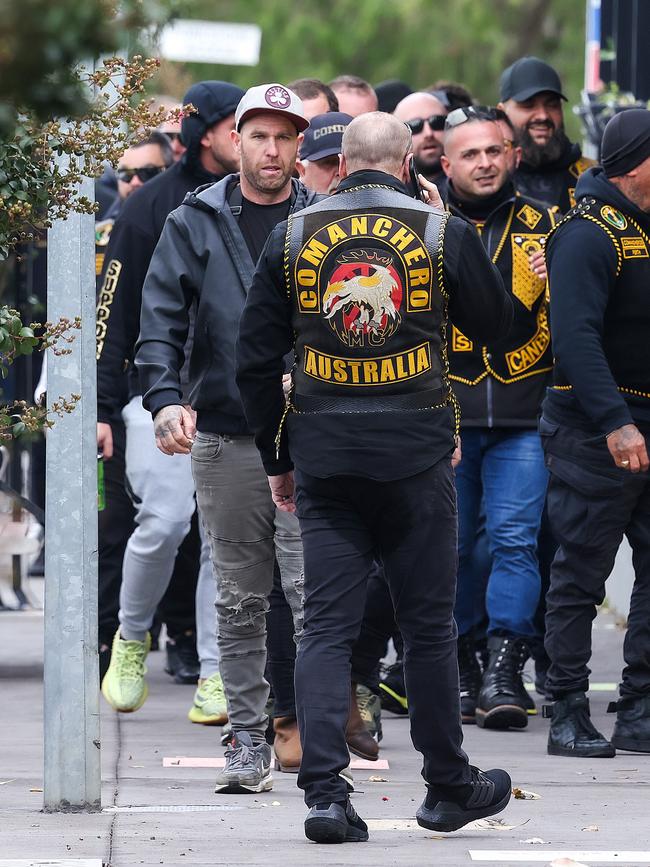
(163, 808)
(502, 856)
(219, 762)
(64, 862)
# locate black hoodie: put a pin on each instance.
(599, 274)
(133, 241)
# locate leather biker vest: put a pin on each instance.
(364, 272)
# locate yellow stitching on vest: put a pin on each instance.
(287, 241)
(612, 238)
(639, 229)
(633, 391)
(468, 381)
(506, 232)
(451, 397)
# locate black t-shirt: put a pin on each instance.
(256, 222)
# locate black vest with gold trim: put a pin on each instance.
(514, 230)
(553, 186)
(627, 357)
(365, 279)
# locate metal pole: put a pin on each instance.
(72, 773)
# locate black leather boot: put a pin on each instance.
(632, 726)
(500, 703)
(469, 671)
(572, 732)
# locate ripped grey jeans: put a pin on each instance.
(247, 533)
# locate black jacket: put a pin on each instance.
(201, 258)
(502, 384)
(599, 273)
(378, 445)
(554, 183)
(132, 242)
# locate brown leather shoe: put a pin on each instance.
(359, 740)
(288, 751)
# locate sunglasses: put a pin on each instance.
(172, 136)
(436, 123)
(472, 112)
(146, 173)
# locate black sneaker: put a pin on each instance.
(470, 676)
(500, 702)
(448, 808)
(632, 726)
(335, 823)
(182, 659)
(572, 732)
(393, 691)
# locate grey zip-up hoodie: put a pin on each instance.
(201, 257)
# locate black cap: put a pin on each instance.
(390, 92)
(528, 76)
(213, 101)
(626, 142)
(324, 136)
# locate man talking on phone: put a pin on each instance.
(359, 287)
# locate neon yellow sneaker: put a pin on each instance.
(124, 686)
(209, 706)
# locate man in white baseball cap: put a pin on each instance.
(207, 254)
(271, 98)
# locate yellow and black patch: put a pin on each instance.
(111, 277)
(526, 285)
(382, 370)
(613, 217)
(634, 248)
(460, 343)
(525, 357)
(529, 216)
(389, 235)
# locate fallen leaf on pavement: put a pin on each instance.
(6, 782)
(491, 825)
(378, 780)
(36, 790)
(523, 795)
(591, 828)
(533, 840)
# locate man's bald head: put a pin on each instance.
(419, 104)
(376, 140)
(425, 115)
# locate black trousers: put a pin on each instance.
(412, 525)
(377, 627)
(280, 650)
(591, 505)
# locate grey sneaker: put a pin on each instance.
(248, 768)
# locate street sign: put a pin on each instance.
(189, 40)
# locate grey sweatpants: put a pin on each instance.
(247, 533)
(163, 489)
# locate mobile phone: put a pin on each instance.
(416, 188)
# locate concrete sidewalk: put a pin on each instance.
(590, 810)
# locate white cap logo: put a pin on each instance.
(278, 97)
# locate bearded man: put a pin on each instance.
(531, 96)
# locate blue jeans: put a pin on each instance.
(505, 469)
